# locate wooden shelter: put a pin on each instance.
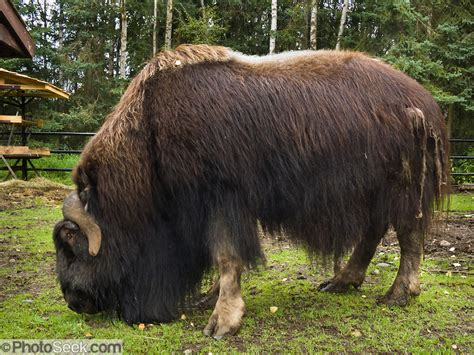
(19, 90)
(15, 41)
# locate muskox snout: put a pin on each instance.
(80, 302)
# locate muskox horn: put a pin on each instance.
(74, 211)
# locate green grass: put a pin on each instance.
(54, 161)
(306, 320)
(463, 201)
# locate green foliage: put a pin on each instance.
(78, 45)
(205, 29)
(464, 166)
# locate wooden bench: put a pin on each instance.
(23, 154)
(11, 119)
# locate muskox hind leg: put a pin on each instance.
(353, 273)
(406, 283)
(229, 310)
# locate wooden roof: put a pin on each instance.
(17, 85)
(15, 41)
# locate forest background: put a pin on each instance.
(92, 48)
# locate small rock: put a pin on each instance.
(376, 272)
(456, 264)
(273, 309)
(11, 261)
(183, 317)
(284, 280)
(444, 243)
(383, 265)
(454, 346)
(364, 296)
(452, 249)
(453, 256)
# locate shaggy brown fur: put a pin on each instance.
(329, 147)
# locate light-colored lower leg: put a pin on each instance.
(227, 316)
(407, 282)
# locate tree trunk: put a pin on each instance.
(449, 124)
(203, 9)
(273, 27)
(155, 25)
(169, 24)
(123, 39)
(343, 21)
(313, 24)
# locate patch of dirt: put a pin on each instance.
(16, 194)
(18, 279)
(456, 231)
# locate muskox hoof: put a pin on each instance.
(224, 321)
(333, 286)
(399, 295)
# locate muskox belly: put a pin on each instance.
(328, 148)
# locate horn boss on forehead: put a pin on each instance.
(74, 210)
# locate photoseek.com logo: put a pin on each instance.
(60, 346)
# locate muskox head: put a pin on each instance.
(77, 239)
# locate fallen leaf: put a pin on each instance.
(88, 335)
(273, 309)
(141, 326)
(183, 316)
(356, 333)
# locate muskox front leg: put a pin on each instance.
(406, 283)
(229, 310)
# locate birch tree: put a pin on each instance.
(343, 21)
(313, 24)
(273, 27)
(155, 25)
(169, 23)
(123, 39)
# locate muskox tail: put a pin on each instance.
(426, 172)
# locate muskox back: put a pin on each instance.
(329, 148)
(320, 146)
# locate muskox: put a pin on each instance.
(330, 148)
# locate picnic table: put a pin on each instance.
(19, 90)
